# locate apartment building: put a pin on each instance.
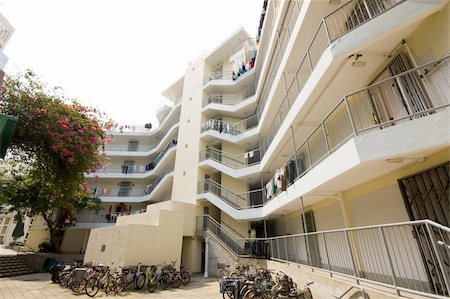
(323, 144)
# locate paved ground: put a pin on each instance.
(39, 286)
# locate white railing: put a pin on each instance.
(242, 200)
(363, 10)
(236, 162)
(229, 127)
(358, 113)
(229, 99)
(411, 257)
(6, 30)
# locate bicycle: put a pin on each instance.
(153, 278)
(222, 272)
(100, 278)
(129, 276)
(174, 277)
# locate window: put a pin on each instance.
(133, 146)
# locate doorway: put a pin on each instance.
(426, 196)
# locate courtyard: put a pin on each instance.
(39, 285)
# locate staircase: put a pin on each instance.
(13, 265)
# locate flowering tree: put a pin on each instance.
(56, 141)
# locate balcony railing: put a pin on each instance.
(329, 30)
(243, 200)
(136, 190)
(218, 76)
(6, 30)
(410, 257)
(105, 217)
(248, 45)
(375, 107)
(132, 169)
(236, 162)
(368, 109)
(158, 137)
(229, 99)
(229, 127)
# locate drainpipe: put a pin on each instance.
(205, 274)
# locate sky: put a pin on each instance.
(116, 55)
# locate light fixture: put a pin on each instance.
(395, 160)
(360, 63)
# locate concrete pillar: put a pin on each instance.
(205, 274)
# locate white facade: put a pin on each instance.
(344, 109)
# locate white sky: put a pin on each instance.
(119, 55)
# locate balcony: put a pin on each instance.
(229, 127)
(226, 82)
(6, 31)
(125, 170)
(238, 201)
(373, 111)
(130, 191)
(247, 159)
(92, 219)
(333, 26)
(229, 99)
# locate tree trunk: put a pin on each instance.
(56, 237)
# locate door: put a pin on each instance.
(133, 146)
(124, 189)
(312, 240)
(427, 196)
(397, 98)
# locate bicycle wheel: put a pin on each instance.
(228, 292)
(78, 286)
(140, 282)
(120, 284)
(185, 277)
(151, 284)
(221, 273)
(92, 287)
(164, 280)
(176, 281)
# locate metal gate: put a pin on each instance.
(427, 196)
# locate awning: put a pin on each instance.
(7, 128)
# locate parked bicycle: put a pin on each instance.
(129, 276)
(154, 278)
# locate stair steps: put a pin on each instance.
(13, 265)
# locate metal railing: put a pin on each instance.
(225, 75)
(359, 112)
(158, 137)
(113, 190)
(236, 162)
(373, 108)
(105, 217)
(410, 257)
(142, 129)
(281, 40)
(132, 169)
(363, 11)
(248, 45)
(6, 30)
(229, 127)
(230, 238)
(242, 200)
(229, 99)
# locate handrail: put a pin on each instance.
(32, 249)
(240, 161)
(342, 121)
(237, 196)
(229, 99)
(236, 128)
(386, 255)
(320, 42)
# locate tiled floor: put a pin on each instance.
(39, 286)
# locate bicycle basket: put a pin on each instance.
(133, 269)
(221, 266)
(80, 273)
